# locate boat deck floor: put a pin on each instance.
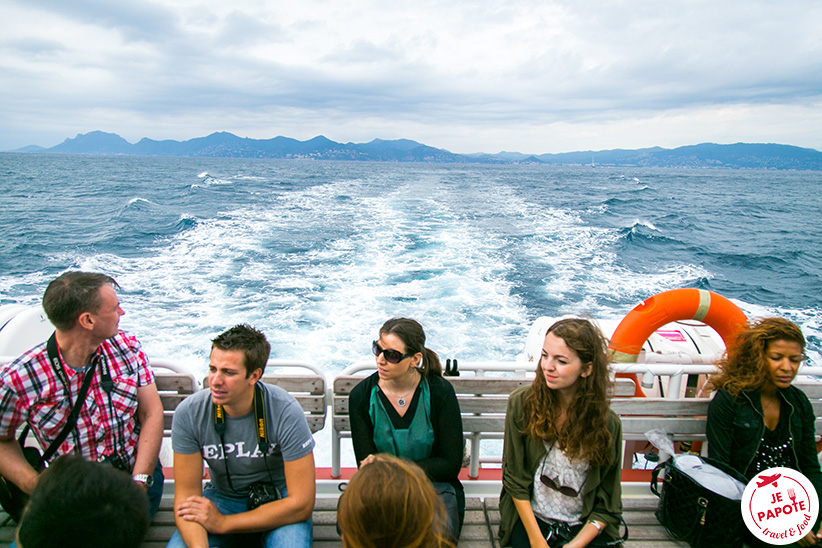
(479, 531)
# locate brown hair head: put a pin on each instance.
(71, 294)
(390, 503)
(250, 341)
(412, 335)
(744, 365)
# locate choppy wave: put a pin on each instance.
(207, 180)
(319, 254)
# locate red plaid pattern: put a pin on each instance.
(31, 392)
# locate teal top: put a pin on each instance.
(414, 442)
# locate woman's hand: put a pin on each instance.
(586, 535)
(368, 460)
(811, 539)
(202, 511)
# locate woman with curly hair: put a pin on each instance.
(757, 419)
(561, 457)
(390, 503)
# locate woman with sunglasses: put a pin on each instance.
(408, 410)
(757, 419)
(561, 466)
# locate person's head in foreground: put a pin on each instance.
(78, 504)
(390, 503)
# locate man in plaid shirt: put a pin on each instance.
(121, 419)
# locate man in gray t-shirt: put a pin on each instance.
(219, 426)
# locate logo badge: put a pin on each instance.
(780, 506)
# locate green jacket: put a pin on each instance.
(522, 454)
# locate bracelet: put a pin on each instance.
(597, 525)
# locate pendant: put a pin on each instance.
(401, 402)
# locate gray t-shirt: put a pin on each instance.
(192, 431)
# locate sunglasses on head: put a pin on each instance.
(391, 356)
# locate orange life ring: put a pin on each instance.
(678, 304)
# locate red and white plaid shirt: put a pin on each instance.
(30, 391)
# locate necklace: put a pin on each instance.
(401, 401)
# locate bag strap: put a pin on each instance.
(655, 475)
(624, 538)
(54, 359)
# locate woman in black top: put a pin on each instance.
(408, 410)
(757, 419)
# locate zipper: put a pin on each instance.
(762, 430)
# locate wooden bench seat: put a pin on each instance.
(173, 388)
(479, 531)
(483, 402)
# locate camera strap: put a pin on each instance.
(260, 426)
(71, 421)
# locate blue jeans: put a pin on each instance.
(454, 501)
(155, 493)
(295, 535)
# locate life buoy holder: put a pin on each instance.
(708, 307)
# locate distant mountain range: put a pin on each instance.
(228, 145)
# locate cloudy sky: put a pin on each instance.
(468, 76)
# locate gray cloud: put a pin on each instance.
(491, 69)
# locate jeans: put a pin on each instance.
(454, 501)
(295, 535)
(155, 493)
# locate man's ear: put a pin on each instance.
(85, 321)
(256, 375)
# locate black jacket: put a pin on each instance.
(736, 426)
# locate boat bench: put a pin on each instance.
(479, 530)
(483, 402)
(173, 389)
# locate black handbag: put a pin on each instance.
(692, 512)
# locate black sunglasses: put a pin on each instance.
(391, 356)
(564, 489)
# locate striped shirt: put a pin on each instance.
(30, 391)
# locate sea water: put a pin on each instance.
(319, 254)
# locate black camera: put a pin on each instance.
(260, 493)
(116, 461)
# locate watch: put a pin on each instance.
(145, 479)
